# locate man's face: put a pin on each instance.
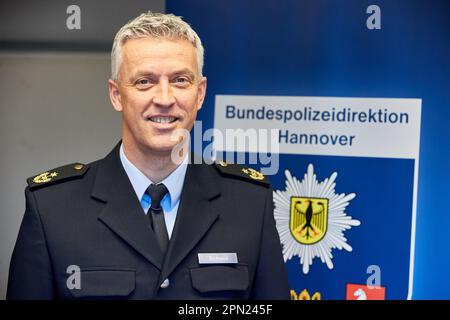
(158, 91)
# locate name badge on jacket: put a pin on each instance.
(217, 258)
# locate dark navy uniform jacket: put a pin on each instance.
(90, 217)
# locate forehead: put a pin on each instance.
(158, 52)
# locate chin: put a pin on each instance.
(160, 148)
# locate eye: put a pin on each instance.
(143, 83)
(182, 81)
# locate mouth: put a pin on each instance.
(162, 119)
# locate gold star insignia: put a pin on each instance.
(252, 173)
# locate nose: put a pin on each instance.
(164, 95)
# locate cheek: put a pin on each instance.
(192, 111)
(135, 104)
(191, 103)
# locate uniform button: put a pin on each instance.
(165, 284)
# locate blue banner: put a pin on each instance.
(355, 48)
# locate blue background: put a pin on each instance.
(323, 48)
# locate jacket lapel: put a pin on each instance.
(196, 214)
(123, 213)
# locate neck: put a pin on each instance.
(154, 165)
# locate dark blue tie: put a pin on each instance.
(156, 215)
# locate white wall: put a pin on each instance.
(54, 110)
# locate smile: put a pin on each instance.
(160, 119)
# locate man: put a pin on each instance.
(138, 224)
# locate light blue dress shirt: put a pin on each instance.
(174, 183)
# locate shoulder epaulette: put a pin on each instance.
(242, 172)
(58, 174)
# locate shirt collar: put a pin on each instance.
(173, 182)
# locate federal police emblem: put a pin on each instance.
(311, 218)
(308, 219)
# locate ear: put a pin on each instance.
(114, 95)
(201, 93)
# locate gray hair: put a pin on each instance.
(156, 25)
